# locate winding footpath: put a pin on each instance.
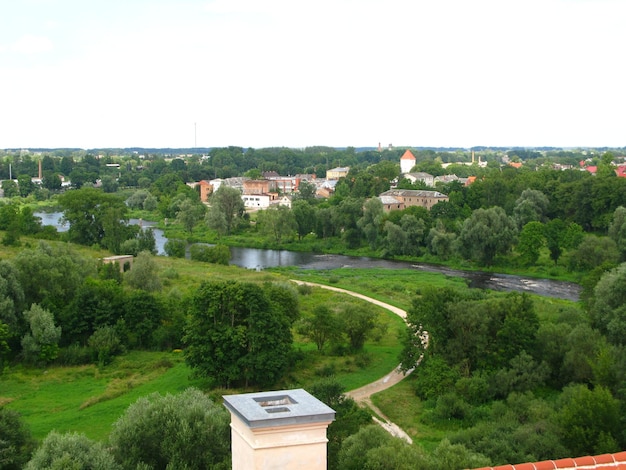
(363, 394)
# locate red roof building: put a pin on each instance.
(598, 462)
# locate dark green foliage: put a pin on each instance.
(16, 442)
(594, 251)
(357, 323)
(144, 273)
(143, 315)
(470, 333)
(236, 335)
(519, 429)
(95, 218)
(51, 275)
(321, 327)
(607, 306)
(349, 417)
(218, 254)
(175, 248)
(71, 451)
(589, 420)
(487, 233)
(97, 303)
(227, 209)
(434, 378)
(105, 344)
(160, 432)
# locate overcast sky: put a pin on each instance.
(296, 73)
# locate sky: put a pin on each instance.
(298, 73)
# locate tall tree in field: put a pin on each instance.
(236, 335)
(226, 202)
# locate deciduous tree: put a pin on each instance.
(487, 233)
(236, 336)
(187, 430)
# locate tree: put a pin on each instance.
(11, 298)
(96, 303)
(531, 239)
(608, 305)
(395, 238)
(85, 210)
(305, 217)
(235, 335)
(16, 442)
(109, 184)
(487, 233)
(105, 344)
(144, 273)
(277, 222)
(358, 323)
(227, 202)
(49, 275)
(440, 241)
(617, 230)
(25, 185)
(345, 219)
(71, 451)
(589, 420)
(321, 327)
(175, 248)
(370, 221)
(10, 188)
(531, 206)
(143, 314)
(306, 191)
(189, 214)
(594, 251)
(553, 232)
(41, 344)
(187, 430)
(137, 199)
(218, 254)
(349, 417)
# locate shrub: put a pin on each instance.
(175, 248)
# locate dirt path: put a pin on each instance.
(363, 394)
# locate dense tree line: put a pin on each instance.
(522, 389)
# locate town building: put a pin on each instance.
(336, 173)
(407, 162)
(399, 199)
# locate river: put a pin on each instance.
(259, 259)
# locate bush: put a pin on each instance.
(71, 451)
(16, 442)
(218, 254)
(187, 430)
(74, 355)
(105, 344)
(175, 248)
